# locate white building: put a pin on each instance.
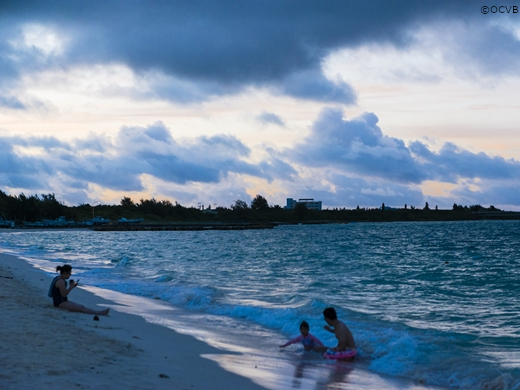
(310, 203)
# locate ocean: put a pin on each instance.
(436, 303)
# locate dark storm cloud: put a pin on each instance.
(220, 47)
(358, 146)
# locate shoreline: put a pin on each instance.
(45, 347)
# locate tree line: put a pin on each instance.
(45, 206)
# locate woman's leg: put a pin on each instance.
(71, 306)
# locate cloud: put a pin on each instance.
(115, 173)
(313, 85)
(11, 102)
(92, 143)
(283, 169)
(21, 171)
(119, 163)
(221, 194)
(368, 192)
(502, 194)
(479, 50)
(364, 163)
(342, 161)
(204, 49)
(267, 118)
(452, 162)
(488, 192)
(357, 146)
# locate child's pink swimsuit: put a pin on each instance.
(308, 342)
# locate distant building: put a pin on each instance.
(389, 208)
(310, 203)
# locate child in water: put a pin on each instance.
(308, 340)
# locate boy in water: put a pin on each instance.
(340, 330)
(308, 340)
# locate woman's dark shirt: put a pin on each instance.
(56, 295)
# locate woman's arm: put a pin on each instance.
(63, 290)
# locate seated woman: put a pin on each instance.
(59, 293)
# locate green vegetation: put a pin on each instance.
(33, 208)
(30, 208)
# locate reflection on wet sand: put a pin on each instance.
(309, 371)
(336, 379)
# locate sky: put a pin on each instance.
(354, 103)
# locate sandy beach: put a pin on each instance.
(47, 348)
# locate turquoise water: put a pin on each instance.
(433, 302)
